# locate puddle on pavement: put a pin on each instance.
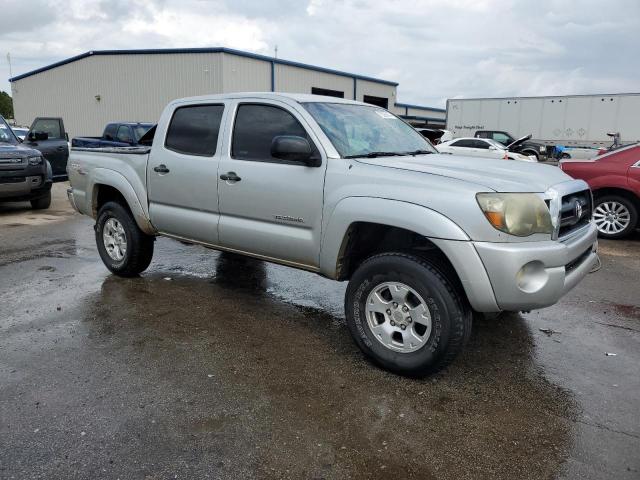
(231, 365)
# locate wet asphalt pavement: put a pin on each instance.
(216, 366)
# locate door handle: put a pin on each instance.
(162, 168)
(61, 148)
(230, 176)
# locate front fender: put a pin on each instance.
(393, 213)
(111, 178)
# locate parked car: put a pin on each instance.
(25, 176)
(350, 191)
(20, 132)
(523, 145)
(615, 180)
(481, 147)
(116, 134)
(48, 136)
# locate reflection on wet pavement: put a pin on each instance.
(217, 366)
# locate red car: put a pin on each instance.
(614, 179)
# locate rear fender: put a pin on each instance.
(111, 178)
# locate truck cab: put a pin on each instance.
(350, 191)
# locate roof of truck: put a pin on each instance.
(296, 97)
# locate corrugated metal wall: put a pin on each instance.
(136, 87)
(131, 88)
(291, 79)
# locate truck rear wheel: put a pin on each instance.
(406, 315)
(124, 248)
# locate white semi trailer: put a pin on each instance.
(572, 120)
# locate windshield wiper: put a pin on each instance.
(375, 155)
(418, 152)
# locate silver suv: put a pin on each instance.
(350, 191)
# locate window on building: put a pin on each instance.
(255, 128)
(327, 92)
(194, 130)
(379, 101)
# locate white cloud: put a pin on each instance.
(434, 49)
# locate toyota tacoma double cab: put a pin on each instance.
(25, 176)
(349, 191)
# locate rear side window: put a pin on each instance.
(124, 134)
(255, 128)
(194, 130)
(464, 143)
(110, 131)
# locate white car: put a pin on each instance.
(481, 147)
(20, 132)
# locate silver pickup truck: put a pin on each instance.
(349, 191)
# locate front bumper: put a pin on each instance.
(531, 275)
(20, 188)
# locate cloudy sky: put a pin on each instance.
(435, 49)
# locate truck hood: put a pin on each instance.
(488, 174)
(518, 142)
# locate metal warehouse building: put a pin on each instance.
(98, 87)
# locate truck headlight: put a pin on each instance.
(519, 214)
(543, 148)
(35, 160)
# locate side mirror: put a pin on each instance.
(294, 149)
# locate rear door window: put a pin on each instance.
(194, 130)
(464, 143)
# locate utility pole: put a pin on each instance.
(9, 61)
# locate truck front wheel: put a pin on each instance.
(41, 203)
(406, 315)
(124, 248)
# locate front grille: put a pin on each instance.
(575, 212)
(12, 179)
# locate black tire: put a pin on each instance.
(41, 203)
(450, 314)
(139, 250)
(633, 213)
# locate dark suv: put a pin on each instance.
(24, 174)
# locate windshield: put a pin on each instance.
(361, 131)
(6, 134)
(140, 130)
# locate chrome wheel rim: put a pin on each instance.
(611, 217)
(114, 239)
(398, 317)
